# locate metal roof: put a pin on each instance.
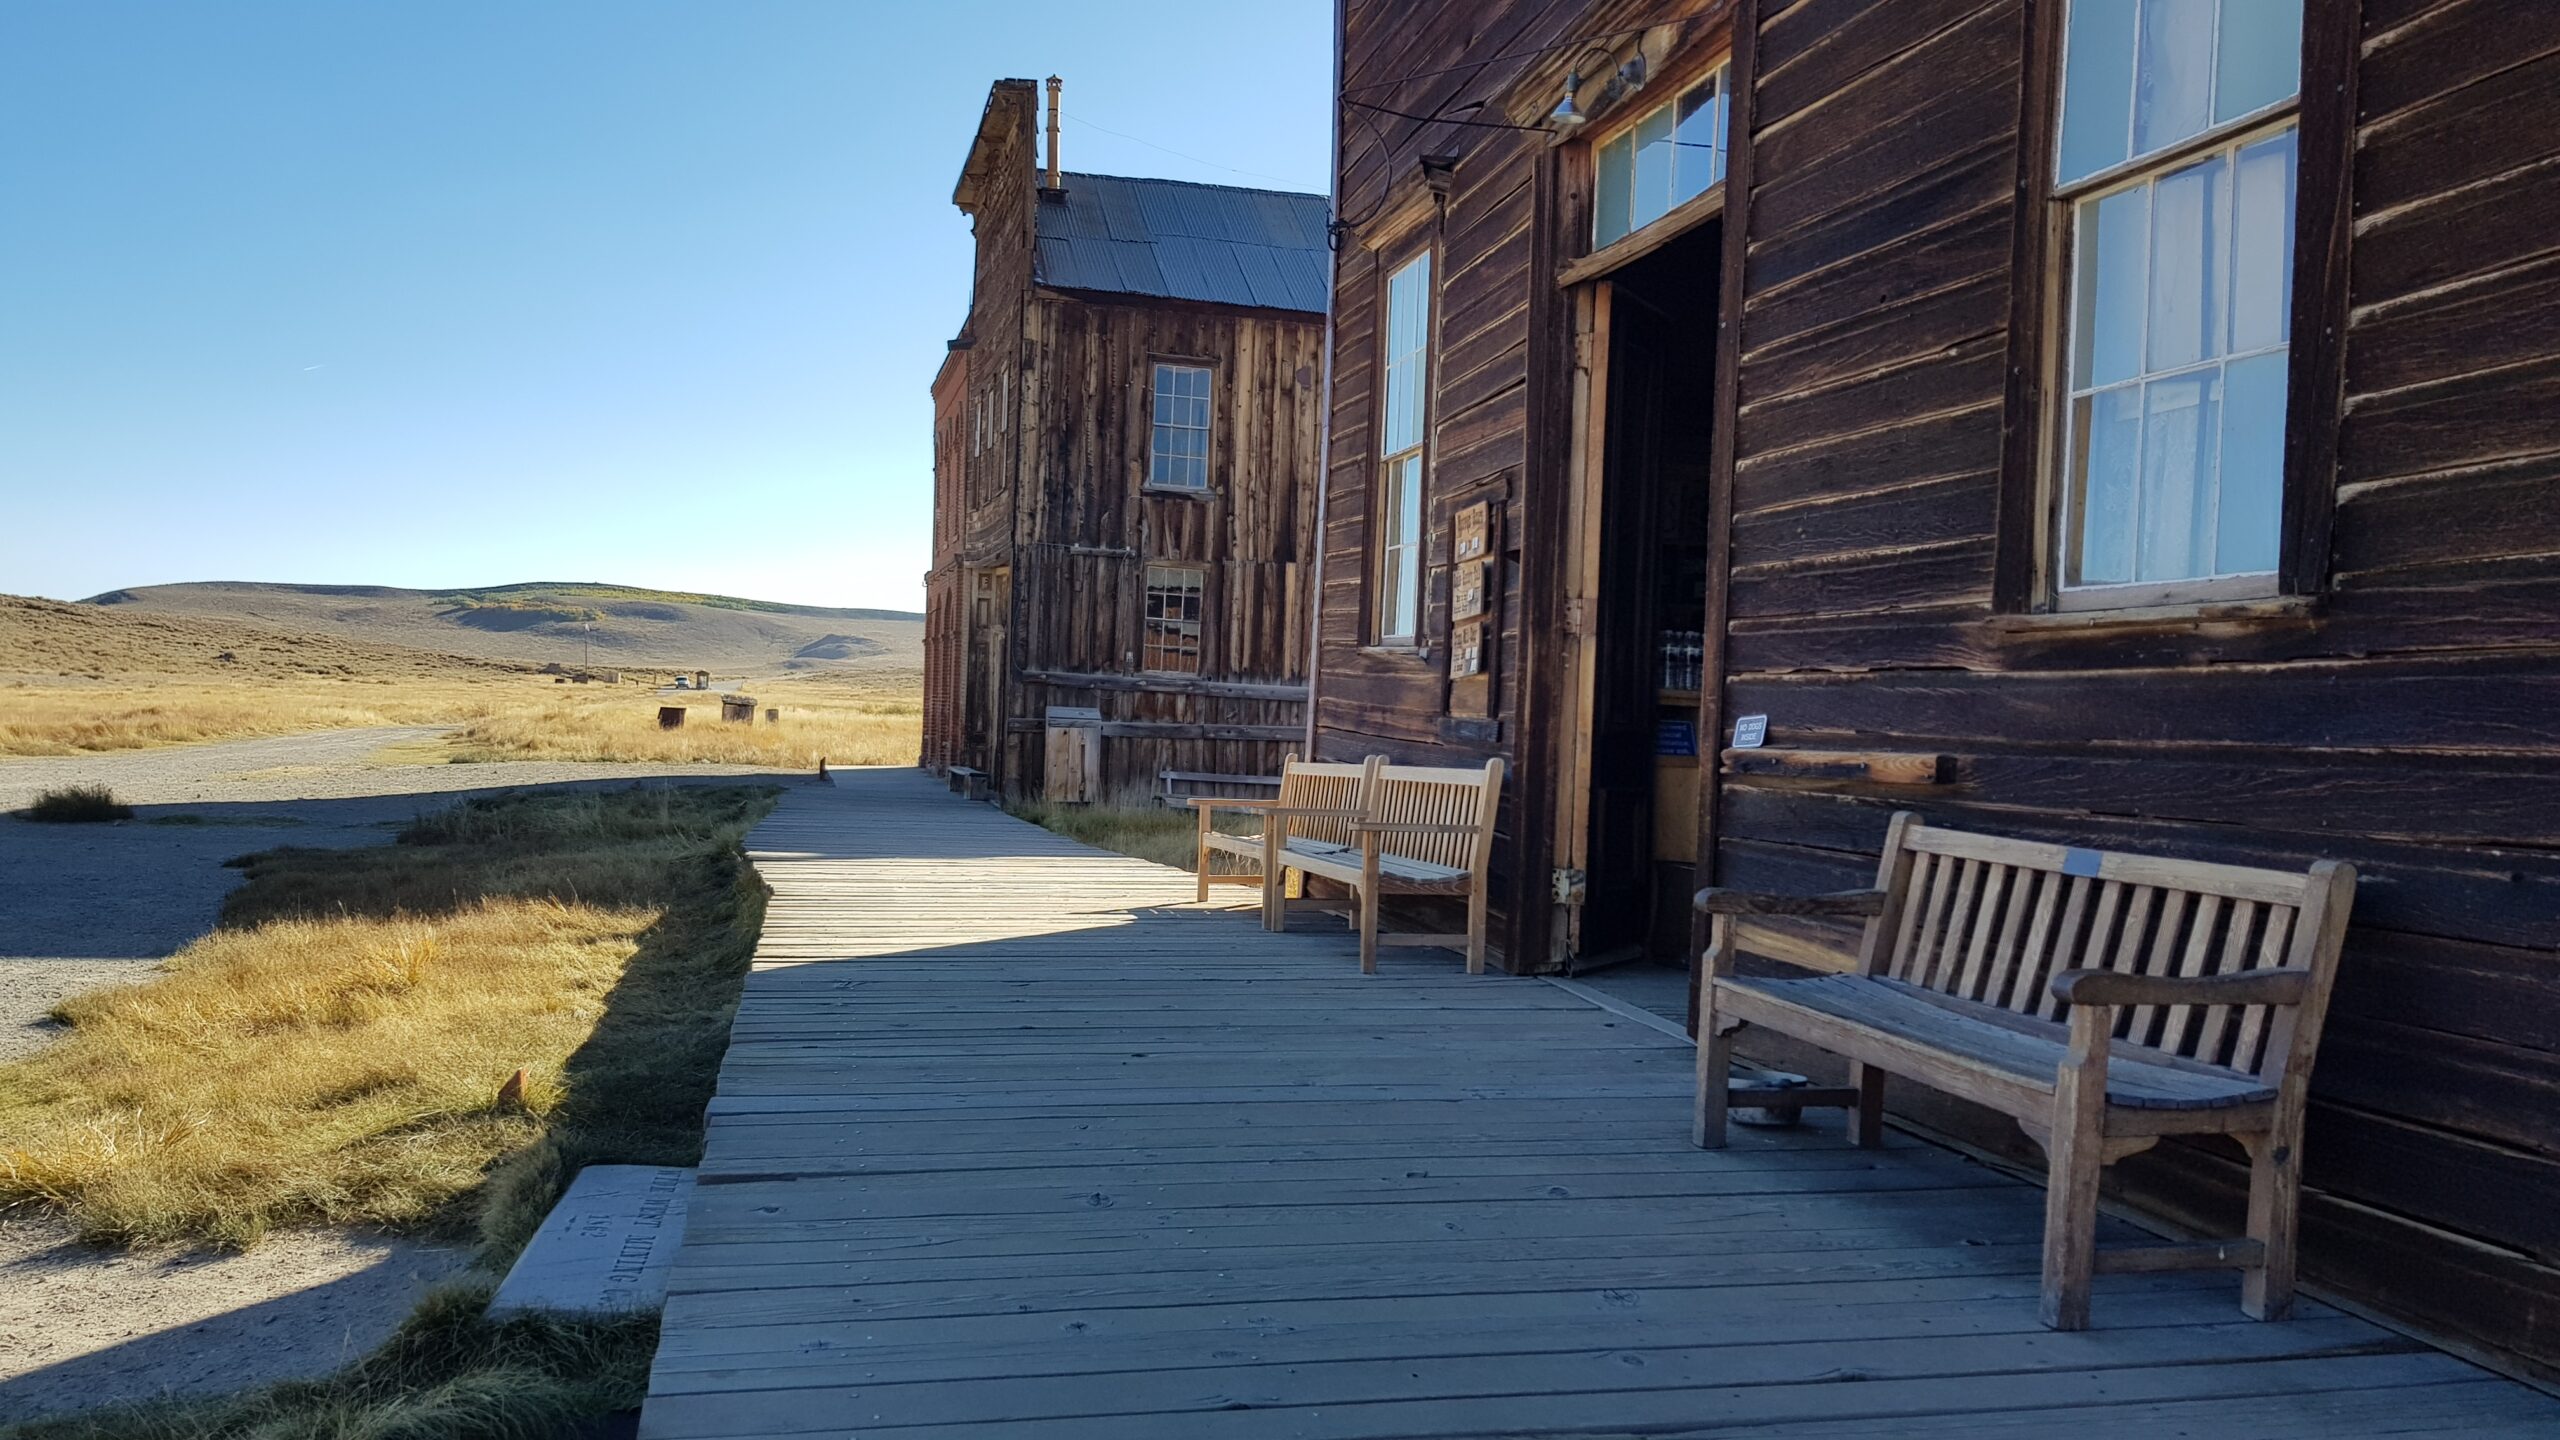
(1182, 241)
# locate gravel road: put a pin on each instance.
(89, 905)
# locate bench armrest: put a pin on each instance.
(1401, 827)
(1311, 812)
(1716, 900)
(2110, 987)
(1221, 802)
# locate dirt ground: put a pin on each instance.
(86, 905)
(81, 1327)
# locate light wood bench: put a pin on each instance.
(1377, 829)
(2102, 1000)
(1316, 800)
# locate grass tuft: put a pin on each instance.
(334, 1050)
(78, 805)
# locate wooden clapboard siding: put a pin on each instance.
(1013, 1139)
(1501, 367)
(1058, 502)
(2401, 720)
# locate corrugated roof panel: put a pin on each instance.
(1171, 238)
(1262, 277)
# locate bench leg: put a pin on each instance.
(1203, 897)
(2075, 1155)
(1866, 1119)
(2275, 1200)
(1368, 923)
(1715, 1076)
(1475, 926)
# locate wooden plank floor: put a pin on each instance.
(1013, 1140)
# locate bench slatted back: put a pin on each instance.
(1992, 920)
(1315, 785)
(1439, 795)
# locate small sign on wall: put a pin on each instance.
(1468, 587)
(1750, 732)
(1472, 532)
(1466, 649)
(1675, 737)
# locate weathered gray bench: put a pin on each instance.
(2102, 1000)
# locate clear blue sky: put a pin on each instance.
(461, 292)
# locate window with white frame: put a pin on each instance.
(1672, 153)
(1172, 631)
(1401, 431)
(2177, 160)
(1178, 455)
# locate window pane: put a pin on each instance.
(2262, 244)
(2252, 500)
(1400, 521)
(2097, 87)
(2173, 73)
(2109, 427)
(1653, 167)
(2189, 216)
(2180, 434)
(2261, 59)
(2113, 234)
(1408, 336)
(1698, 159)
(1609, 200)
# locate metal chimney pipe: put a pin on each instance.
(1055, 85)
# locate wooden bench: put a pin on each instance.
(2101, 1000)
(1377, 829)
(975, 784)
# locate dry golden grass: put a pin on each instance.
(881, 723)
(1166, 836)
(81, 718)
(78, 679)
(335, 1050)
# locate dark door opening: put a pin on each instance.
(1650, 649)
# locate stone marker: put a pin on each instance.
(606, 1246)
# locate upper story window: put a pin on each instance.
(1178, 455)
(1401, 431)
(1671, 153)
(2177, 158)
(1172, 630)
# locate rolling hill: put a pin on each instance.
(542, 623)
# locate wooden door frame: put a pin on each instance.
(1586, 474)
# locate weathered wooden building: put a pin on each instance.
(1126, 522)
(2126, 421)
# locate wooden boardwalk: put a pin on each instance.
(1013, 1140)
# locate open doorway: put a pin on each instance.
(1650, 655)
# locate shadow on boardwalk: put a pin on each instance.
(1013, 1140)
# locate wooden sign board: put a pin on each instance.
(1469, 585)
(1466, 649)
(1472, 528)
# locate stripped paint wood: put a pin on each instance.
(1015, 1138)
